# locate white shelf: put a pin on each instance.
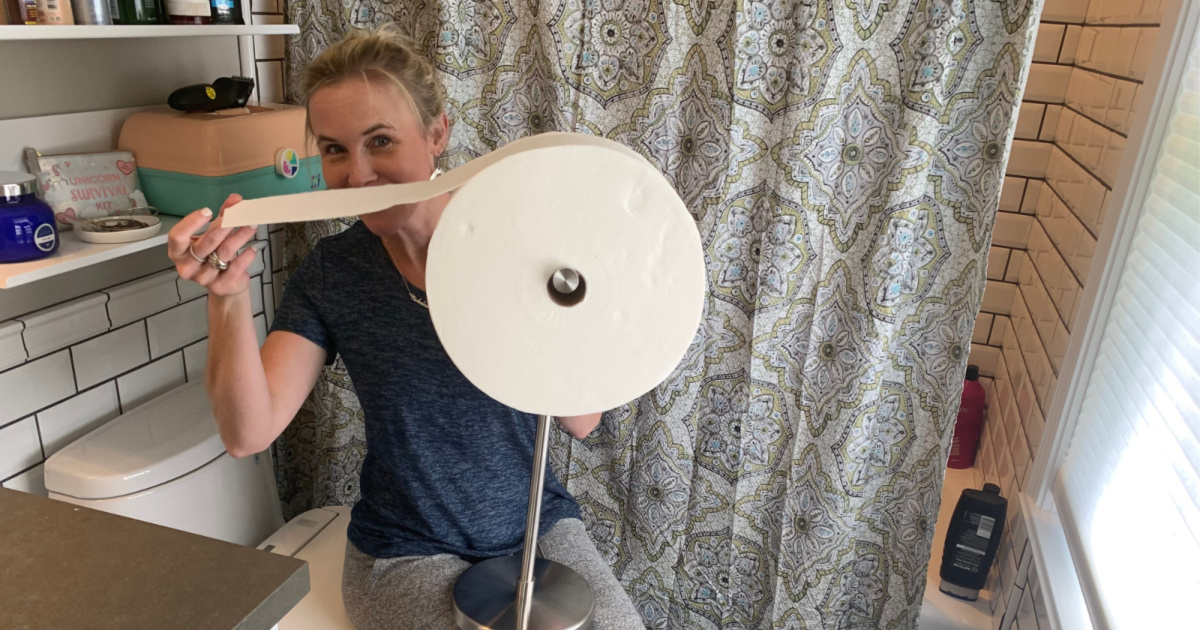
(30, 33)
(75, 254)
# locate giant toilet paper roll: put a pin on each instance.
(630, 282)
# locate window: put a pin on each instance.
(1128, 488)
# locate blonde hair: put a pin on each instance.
(381, 52)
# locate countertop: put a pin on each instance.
(65, 566)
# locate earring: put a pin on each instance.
(436, 172)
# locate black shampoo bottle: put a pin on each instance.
(971, 541)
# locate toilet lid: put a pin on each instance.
(154, 443)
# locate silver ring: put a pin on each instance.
(217, 263)
(193, 253)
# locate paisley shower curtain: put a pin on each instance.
(843, 160)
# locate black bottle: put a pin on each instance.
(226, 11)
(971, 541)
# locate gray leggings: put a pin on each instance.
(414, 592)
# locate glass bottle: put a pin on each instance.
(138, 12)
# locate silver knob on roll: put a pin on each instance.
(567, 287)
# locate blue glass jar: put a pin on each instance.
(27, 228)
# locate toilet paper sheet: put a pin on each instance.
(519, 214)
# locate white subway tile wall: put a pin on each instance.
(178, 327)
(85, 374)
(20, 446)
(102, 358)
(188, 290)
(1090, 60)
(61, 325)
(1047, 83)
(1049, 41)
(997, 262)
(32, 481)
(1072, 11)
(270, 81)
(1028, 158)
(75, 417)
(1050, 123)
(1011, 230)
(12, 347)
(997, 297)
(1011, 194)
(256, 294)
(151, 381)
(1070, 44)
(268, 46)
(34, 386)
(277, 249)
(195, 357)
(143, 297)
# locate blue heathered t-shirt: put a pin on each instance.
(447, 468)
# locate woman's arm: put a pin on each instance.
(579, 426)
(255, 393)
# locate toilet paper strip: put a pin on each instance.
(349, 202)
(519, 214)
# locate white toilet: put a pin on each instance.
(164, 463)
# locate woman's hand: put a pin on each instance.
(579, 426)
(190, 252)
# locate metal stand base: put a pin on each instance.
(526, 592)
(485, 597)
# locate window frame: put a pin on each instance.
(1068, 595)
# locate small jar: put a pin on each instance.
(27, 228)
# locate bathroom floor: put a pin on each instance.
(940, 611)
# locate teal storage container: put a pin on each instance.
(179, 193)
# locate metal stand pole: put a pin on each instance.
(534, 594)
(541, 452)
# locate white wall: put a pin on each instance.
(80, 348)
(65, 76)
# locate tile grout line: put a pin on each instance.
(18, 474)
(1054, 305)
(1071, 209)
(113, 380)
(1108, 74)
(1094, 121)
(94, 337)
(1017, 341)
(80, 297)
(1069, 269)
(1037, 401)
(1080, 165)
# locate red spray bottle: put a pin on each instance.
(970, 422)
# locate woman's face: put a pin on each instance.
(368, 135)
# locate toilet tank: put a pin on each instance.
(163, 462)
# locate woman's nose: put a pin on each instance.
(361, 171)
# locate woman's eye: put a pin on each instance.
(380, 142)
(334, 149)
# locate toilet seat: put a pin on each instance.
(319, 538)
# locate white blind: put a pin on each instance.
(1129, 489)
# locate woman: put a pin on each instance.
(445, 480)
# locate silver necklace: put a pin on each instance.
(411, 295)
